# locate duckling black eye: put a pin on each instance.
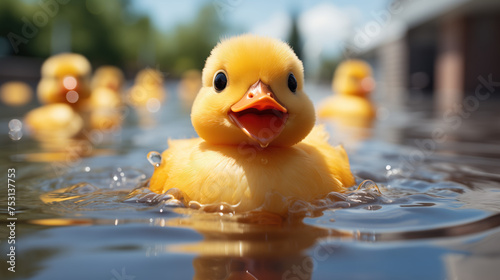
(292, 83)
(220, 81)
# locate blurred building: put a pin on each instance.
(444, 48)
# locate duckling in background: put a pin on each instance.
(54, 121)
(353, 83)
(15, 93)
(64, 89)
(257, 148)
(105, 114)
(148, 91)
(106, 100)
(108, 76)
(65, 79)
(189, 86)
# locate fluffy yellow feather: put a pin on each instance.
(256, 150)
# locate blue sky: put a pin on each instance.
(246, 13)
(325, 26)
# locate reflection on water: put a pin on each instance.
(435, 216)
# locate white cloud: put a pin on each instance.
(277, 26)
(325, 27)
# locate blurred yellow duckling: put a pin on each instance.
(54, 121)
(108, 76)
(352, 83)
(15, 93)
(106, 104)
(256, 150)
(148, 91)
(106, 100)
(64, 89)
(65, 79)
(189, 86)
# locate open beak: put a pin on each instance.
(259, 114)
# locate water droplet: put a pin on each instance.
(15, 134)
(194, 205)
(87, 168)
(115, 178)
(173, 203)
(367, 185)
(223, 209)
(154, 158)
(15, 125)
(388, 167)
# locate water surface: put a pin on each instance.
(436, 215)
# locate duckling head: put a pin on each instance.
(353, 77)
(108, 76)
(252, 94)
(65, 79)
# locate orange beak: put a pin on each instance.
(367, 84)
(259, 114)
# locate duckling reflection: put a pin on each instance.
(235, 249)
(189, 86)
(350, 110)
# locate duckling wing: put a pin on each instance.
(335, 157)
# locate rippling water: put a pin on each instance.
(434, 213)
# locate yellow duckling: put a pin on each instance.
(105, 113)
(15, 93)
(148, 91)
(108, 76)
(106, 101)
(65, 79)
(54, 121)
(64, 89)
(189, 86)
(256, 150)
(353, 83)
